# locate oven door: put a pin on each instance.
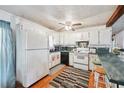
(81, 58)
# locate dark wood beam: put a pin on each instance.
(115, 16)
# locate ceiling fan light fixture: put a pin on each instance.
(68, 28)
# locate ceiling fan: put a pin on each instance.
(68, 25)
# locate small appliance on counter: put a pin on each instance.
(116, 51)
(121, 54)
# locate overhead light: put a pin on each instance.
(68, 28)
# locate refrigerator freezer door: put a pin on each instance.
(37, 66)
(44, 41)
(36, 40)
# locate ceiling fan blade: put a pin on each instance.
(76, 24)
(61, 23)
(73, 29)
(60, 28)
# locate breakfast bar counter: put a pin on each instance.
(114, 68)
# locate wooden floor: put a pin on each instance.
(91, 81)
(44, 83)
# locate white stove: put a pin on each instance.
(81, 58)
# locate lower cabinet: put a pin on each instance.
(71, 59)
(54, 59)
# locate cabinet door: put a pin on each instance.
(56, 38)
(105, 37)
(93, 38)
(77, 37)
(71, 39)
(71, 59)
(61, 38)
(58, 58)
(85, 36)
(65, 38)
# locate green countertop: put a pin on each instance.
(114, 68)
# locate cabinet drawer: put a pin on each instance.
(81, 66)
(84, 61)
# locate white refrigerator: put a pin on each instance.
(32, 56)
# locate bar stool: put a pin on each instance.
(99, 73)
(100, 77)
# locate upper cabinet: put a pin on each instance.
(93, 38)
(96, 37)
(56, 38)
(82, 36)
(85, 36)
(61, 38)
(101, 38)
(70, 38)
(67, 38)
(105, 37)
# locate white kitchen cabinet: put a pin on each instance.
(67, 38)
(61, 38)
(85, 36)
(77, 37)
(51, 42)
(80, 36)
(54, 59)
(56, 38)
(71, 59)
(100, 38)
(70, 38)
(105, 37)
(93, 40)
